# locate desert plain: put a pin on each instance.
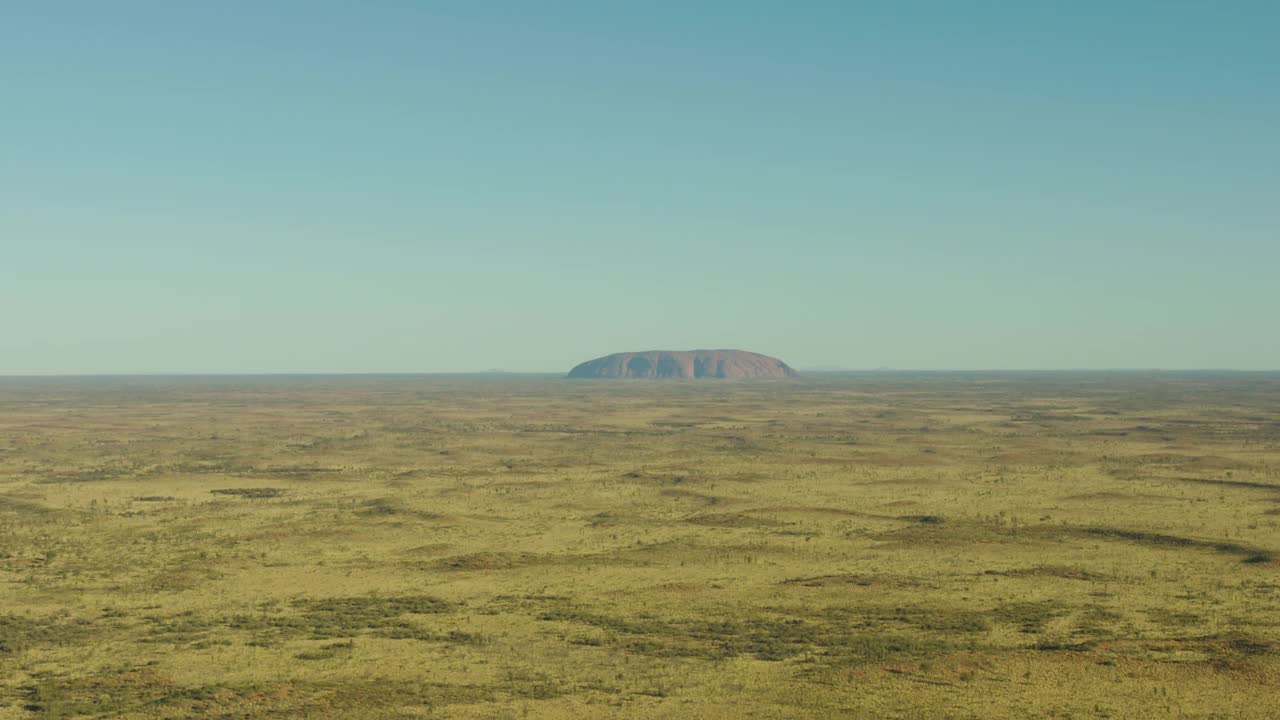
(857, 545)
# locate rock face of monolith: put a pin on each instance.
(669, 364)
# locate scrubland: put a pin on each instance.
(881, 545)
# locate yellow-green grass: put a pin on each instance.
(878, 546)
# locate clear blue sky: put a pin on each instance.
(241, 186)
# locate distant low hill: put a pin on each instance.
(672, 364)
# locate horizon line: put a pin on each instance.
(816, 370)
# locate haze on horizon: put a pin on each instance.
(405, 187)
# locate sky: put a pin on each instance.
(417, 186)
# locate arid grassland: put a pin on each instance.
(858, 546)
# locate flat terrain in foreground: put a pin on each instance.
(864, 546)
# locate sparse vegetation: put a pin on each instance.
(995, 546)
(256, 493)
